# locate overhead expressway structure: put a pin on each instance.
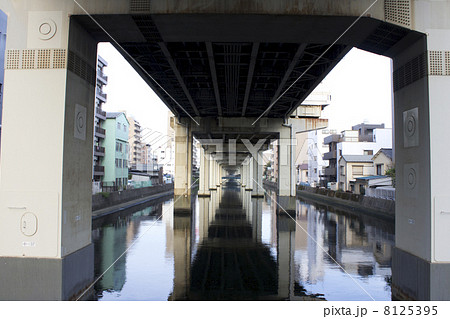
(233, 73)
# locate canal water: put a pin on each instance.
(235, 247)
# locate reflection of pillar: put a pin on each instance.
(203, 189)
(48, 113)
(181, 256)
(257, 182)
(257, 218)
(421, 165)
(204, 217)
(285, 256)
(249, 181)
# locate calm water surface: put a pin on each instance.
(235, 247)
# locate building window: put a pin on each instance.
(124, 128)
(118, 125)
(117, 146)
(357, 170)
(117, 162)
(379, 169)
(368, 152)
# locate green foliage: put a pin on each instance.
(391, 173)
(105, 194)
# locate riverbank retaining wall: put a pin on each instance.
(104, 200)
(372, 205)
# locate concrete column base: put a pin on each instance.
(414, 278)
(54, 279)
(182, 205)
(288, 204)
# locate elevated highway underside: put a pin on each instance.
(233, 65)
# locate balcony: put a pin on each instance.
(335, 138)
(100, 132)
(99, 151)
(100, 114)
(100, 95)
(329, 171)
(329, 155)
(99, 170)
(102, 77)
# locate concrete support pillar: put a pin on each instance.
(212, 174)
(249, 176)
(203, 189)
(183, 168)
(286, 170)
(244, 175)
(421, 261)
(48, 120)
(258, 190)
(219, 175)
(183, 159)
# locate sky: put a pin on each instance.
(360, 87)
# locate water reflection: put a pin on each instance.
(234, 247)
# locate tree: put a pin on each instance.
(391, 173)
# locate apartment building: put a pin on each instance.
(135, 141)
(99, 119)
(116, 147)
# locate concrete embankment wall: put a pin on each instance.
(100, 201)
(374, 206)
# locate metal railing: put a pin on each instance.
(100, 130)
(99, 169)
(99, 150)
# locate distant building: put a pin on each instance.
(364, 185)
(349, 142)
(365, 131)
(116, 150)
(352, 167)
(382, 161)
(316, 164)
(99, 118)
(3, 26)
(166, 152)
(135, 141)
(308, 158)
